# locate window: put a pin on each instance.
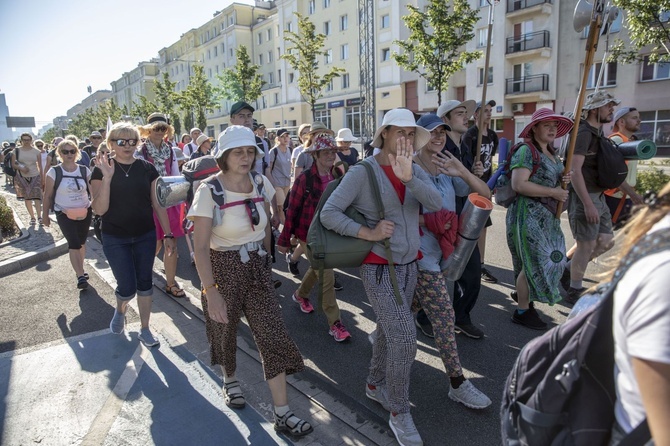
(608, 76)
(209, 73)
(279, 76)
(270, 56)
(326, 4)
(329, 86)
(386, 54)
(344, 22)
(326, 28)
(232, 53)
(483, 3)
(353, 117)
(482, 37)
(655, 127)
(260, 38)
(216, 51)
(497, 125)
(276, 98)
(210, 131)
(653, 72)
(344, 51)
(222, 127)
(288, 27)
(386, 21)
(278, 53)
(209, 54)
(429, 87)
(328, 57)
(311, 6)
(291, 78)
(269, 34)
(323, 116)
(345, 81)
(271, 78)
(260, 59)
(489, 80)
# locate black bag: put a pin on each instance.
(612, 167)
(198, 169)
(7, 165)
(561, 390)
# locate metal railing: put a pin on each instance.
(528, 84)
(517, 5)
(530, 41)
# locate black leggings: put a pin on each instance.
(74, 231)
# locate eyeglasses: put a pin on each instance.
(68, 152)
(26, 140)
(123, 142)
(160, 128)
(252, 211)
(39, 146)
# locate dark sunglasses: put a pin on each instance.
(96, 137)
(122, 142)
(160, 128)
(25, 140)
(252, 211)
(68, 152)
(39, 146)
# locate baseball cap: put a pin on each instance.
(239, 106)
(492, 103)
(430, 122)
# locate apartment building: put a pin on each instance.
(94, 100)
(137, 82)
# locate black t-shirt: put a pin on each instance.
(350, 159)
(584, 146)
(90, 150)
(489, 148)
(130, 212)
(465, 157)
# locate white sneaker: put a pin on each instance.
(404, 429)
(468, 395)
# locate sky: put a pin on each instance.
(52, 50)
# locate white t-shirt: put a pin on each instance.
(71, 193)
(189, 149)
(236, 227)
(44, 159)
(641, 327)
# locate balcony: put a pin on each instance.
(522, 7)
(529, 87)
(528, 44)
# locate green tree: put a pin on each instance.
(241, 83)
(143, 108)
(198, 98)
(437, 36)
(303, 58)
(166, 97)
(108, 108)
(50, 134)
(648, 25)
(83, 124)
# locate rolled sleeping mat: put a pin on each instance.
(470, 224)
(638, 150)
(171, 191)
(502, 159)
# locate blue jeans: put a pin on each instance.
(132, 262)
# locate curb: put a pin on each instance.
(22, 229)
(21, 262)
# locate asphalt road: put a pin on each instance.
(487, 362)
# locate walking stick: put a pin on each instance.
(480, 121)
(595, 24)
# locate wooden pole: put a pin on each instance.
(591, 46)
(480, 121)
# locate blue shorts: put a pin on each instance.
(132, 262)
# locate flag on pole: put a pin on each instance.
(109, 124)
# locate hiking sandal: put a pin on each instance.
(233, 400)
(292, 425)
(174, 291)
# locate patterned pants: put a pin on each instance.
(394, 348)
(247, 289)
(433, 296)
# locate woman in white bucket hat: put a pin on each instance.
(404, 188)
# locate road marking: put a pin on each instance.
(110, 410)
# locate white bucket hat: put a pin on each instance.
(448, 106)
(401, 117)
(345, 135)
(236, 136)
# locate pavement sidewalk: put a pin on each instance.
(151, 396)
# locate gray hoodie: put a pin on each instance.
(355, 190)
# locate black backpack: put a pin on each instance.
(198, 169)
(7, 165)
(612, 167)
(561, 390)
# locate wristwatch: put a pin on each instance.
(170, 235)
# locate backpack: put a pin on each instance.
(309, 187)
(59, 177)
(504, 194)
(198, 169)
(612, 167)
(54, 157)
(7, 165)
(561, 390)
(219, 194)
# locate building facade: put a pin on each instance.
(92, 101)
(138, 82)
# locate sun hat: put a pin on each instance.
(546, 114)
(345, 135)
(448, 106)
(322, 142)
(401, 117)
(318, 126)
(492, 103)
(236, 136)
(598, 99)
(195, 129)
(239, 106)
(201, 139)
(179, 155)
(157, 117)
(623, 111)
(430, 122)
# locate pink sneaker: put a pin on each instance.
(305, 305)
(338, 332)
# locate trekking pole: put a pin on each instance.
(580, 20)
(480, 121)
